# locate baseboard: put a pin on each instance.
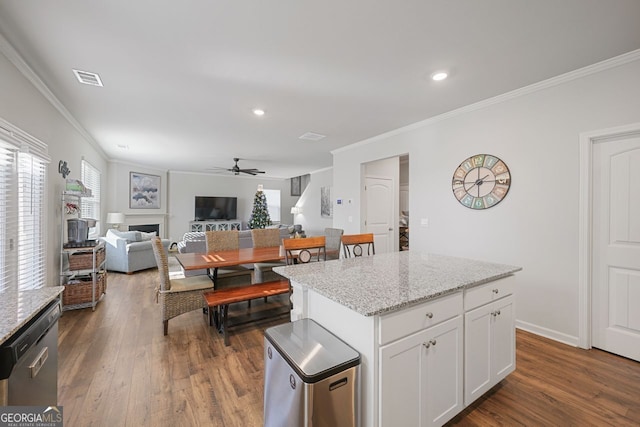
(547, 333)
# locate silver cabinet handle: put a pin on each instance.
(495, 291)
(495, 313)
(429, 344)
(430, 315)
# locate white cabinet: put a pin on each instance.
(421, 374)
(489, 337)
(214, 225)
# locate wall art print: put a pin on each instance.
(326, 207)
(144, 191)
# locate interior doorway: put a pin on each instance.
(610, 241)
(379, 196)
(403, 224)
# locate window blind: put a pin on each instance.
(23, 171)
(90, 206)
(31, 226)
(8, 216)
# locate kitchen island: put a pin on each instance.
(434, 332)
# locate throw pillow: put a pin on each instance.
(147, 236)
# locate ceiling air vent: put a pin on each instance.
(310, 136)
(88, 78)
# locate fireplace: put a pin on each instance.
(147, 228)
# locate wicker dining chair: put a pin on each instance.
(263, 238)
(226, 240)
(353, 245)
(177, 296)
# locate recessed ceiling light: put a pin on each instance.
(258, 111)
(439, 75)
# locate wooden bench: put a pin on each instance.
(223, 297)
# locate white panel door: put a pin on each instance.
(616, 247)
(379, 212)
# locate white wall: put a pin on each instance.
(536, 225)
(312, 222)
(22, 105)
(184, 186)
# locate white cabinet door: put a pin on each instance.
(443, 397)
(421, 377)
(402, 375)
(489, 347)
(503, 360)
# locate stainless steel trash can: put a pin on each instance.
(311, 378)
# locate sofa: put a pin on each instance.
(130, 251)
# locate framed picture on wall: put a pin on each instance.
(144, 191)
(295, 186)
(326, 207)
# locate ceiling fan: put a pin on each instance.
(237, 170)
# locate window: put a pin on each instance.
(23, 171)
(273, 204)
(90, 206)
(31, 230)
(8, 215)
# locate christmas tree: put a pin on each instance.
(260, 214)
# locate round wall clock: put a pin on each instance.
(481, 181)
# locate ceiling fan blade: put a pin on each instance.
(236, 169)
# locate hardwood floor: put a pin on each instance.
(117, 369)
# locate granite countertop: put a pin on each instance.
(387, 282)
(18, 307)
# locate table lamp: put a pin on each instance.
(115, 218)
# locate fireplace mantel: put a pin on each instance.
(147, 218)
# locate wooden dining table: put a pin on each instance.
(220, 259)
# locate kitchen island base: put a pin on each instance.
(423, 364)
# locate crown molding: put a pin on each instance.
(526, 90)
(14, 57)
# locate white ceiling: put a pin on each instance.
(181, 78)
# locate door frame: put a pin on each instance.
(585, 284)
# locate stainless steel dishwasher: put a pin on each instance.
(29, 362)
(311, 377)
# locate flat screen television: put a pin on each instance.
(208, 208)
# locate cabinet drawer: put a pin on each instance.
(483, 294)
(405, 322)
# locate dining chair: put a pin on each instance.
(302, 251)
(353, 245)
(263, 238)
(333, 236)
(225, 240)
(176, 296)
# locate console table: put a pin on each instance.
(234, 224)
